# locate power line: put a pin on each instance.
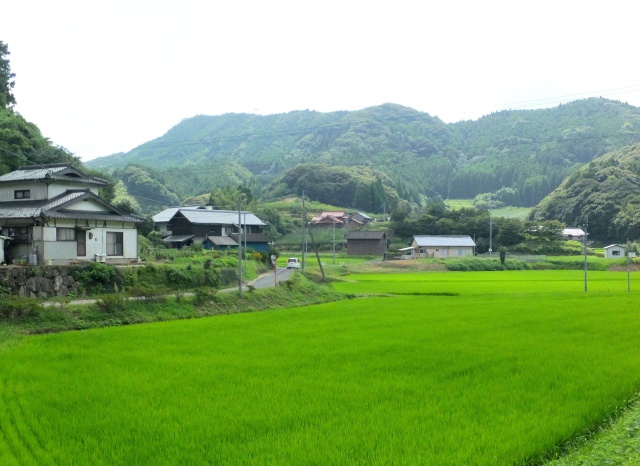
(24, 157)
(562, 98)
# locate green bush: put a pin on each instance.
(212, 277)
(97, 278)
(553, 248)
(473, 265)
(179, 278)
(513, 264)
(478, 265)
(205, 296)
(127, 276)
(18, 306)
(150, 294)
(228, 277)
(112, 303)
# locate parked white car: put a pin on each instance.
(293, 263)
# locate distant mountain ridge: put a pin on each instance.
(525, 152)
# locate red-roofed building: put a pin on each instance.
(330, 218)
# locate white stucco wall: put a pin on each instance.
(162, 227)
(86, 205)
(609, 252)
(61, 252)
(60, 187)
(37, 191)
(441, 252)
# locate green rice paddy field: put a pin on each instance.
(503, 370)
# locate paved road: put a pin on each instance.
(267, 280)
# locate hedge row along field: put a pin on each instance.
(483, 377)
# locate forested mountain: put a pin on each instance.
(528, 152)
(605, 192)
(21, 142)
(360, 187)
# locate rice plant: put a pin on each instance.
(484, 376)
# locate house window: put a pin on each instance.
(22, 194)
(461, 252)
(114, 243)
(615, 253)
(65, 234)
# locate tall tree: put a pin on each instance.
(7, 100)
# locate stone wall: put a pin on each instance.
(37, 282)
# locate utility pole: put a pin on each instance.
(490, 231)
(586, 229)
(304, 231)
(317, 254)
(334, 240)
(628, 266)
(239, 248)
(245, 242)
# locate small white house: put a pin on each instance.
(614, 251)
(53, 214)
(576, 234)
(442, 246)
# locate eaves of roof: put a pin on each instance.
(54, 208)
(443, 241)
(220, 217)
(366, 235)
(50, 172)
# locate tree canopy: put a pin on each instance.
(358, 187)
(605, 193)
(21, 142)
(514, 156)
(7, 99)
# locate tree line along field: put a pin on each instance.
(490, 368)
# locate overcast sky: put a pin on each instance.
(99, 77)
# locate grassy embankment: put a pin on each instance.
(118, 309)
(487, 373)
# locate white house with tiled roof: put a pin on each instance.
(576, 234)
(52, 214)
(441, 246)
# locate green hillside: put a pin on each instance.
(522, 154)
(22, 143)
(605, 192)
